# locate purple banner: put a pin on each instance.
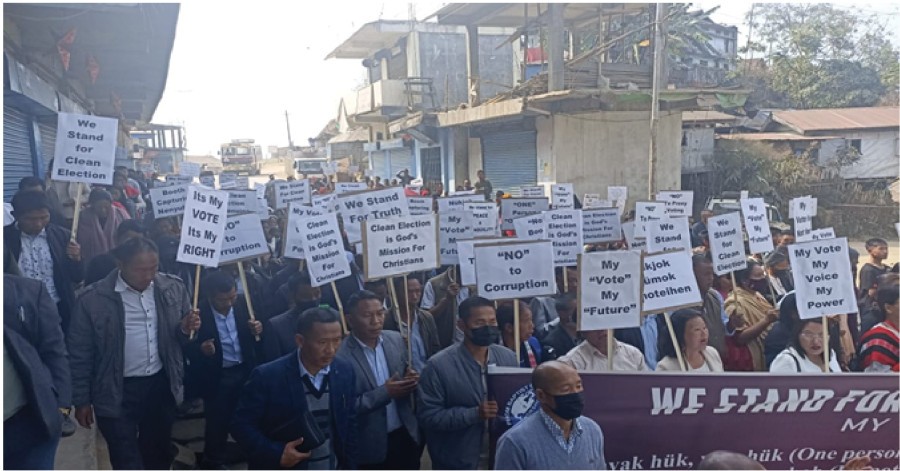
(669, 421)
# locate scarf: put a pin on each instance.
(753, 307)
(96, 238)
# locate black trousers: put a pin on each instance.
(402, 452)
(219, 405)
(141, 438)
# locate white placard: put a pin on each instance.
(168, 200)
(726, 242)
(260, 190)
(668, 234)
(189, 169)
(293, 243)
(466, 250)
(633, 242)
(179, 179)
(669, 282)
(601, 225)
(400, 245)
(85, 149)
(510, 271)
(563, 229)
(802, 207)
(242, 182)
(463, 192)
(262, 208)
(419, 205)
(346, 187)
(618, 195)
(244, 239)
(292, 192)
(756, 223)
(745, 194)
(563, 195)
(457, 203)
(678, 203)
(823, 279)
(514, 208)
(821, 234)
(356, 207)
(323, 245)
(208, 181)
(803, 229)
(228, 181)
(487, 218)
(609, 295)
(593, 200)
(532, 192)
(242, 201)
(531, 227)
(325, 203)
(452, 226)
(205, 216)
(645, 212)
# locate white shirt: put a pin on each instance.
(585, 357)
(784, 363)
(141, 330)
(36, 262)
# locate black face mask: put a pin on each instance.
(485, 335)
(569, 406)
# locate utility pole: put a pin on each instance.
(288, 121)
(556, 45)
(659, 64)
(749, 35)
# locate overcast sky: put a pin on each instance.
(237, 66)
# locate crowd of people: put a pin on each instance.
(102, 329)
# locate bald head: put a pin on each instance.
(720, 459)
(548, 373)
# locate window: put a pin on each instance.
(856, 144)
(704, 63)
(725, 66)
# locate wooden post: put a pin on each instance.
(675, 341)
(516, 329)
(196, 295)
(77, 214)
(734, 290)
(337, 299)
(609, 348)
(825, 367)
(565, 279)
(243, 276)
(396, 304)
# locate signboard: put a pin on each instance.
(204, 224)
(399, 245)
(645, 212)
(262, 208)
(241, 201)
(260, 190)
(514, 208)
(356, 207)
(802, 211)
(179, 179)
(293, 243)
(563, 195)
(242, 182)
(756, 223)
(669, 282)
(228, 180)
(346, 187)
(609, 292)
(189, 169)
(726, 242)
(563, 228)
(208, 181)
(633, 242)
(168, 200)
(678, 203)
(532, 192)
(531, 227)
(823, 279)
(243, 239)
(519, 270)
(85, 149)
(326, 203)
(466, 250)
(592, 200)
(454, 225)
(457, 203)
(487, 218)
(822, 234)
(619, 196)
(668, 234)
(292, 192)
(419, 205)
(320, 237)
(601, 225)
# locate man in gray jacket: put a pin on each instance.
(125, 350)
(453, 406)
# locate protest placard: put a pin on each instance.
(531, 227)
(515, 208)
(260, 189)
(823, 278)
(399, 245)
(563, 229)
(532, 192)
(419, 205)
(345, 187)
(85, 149)
(292, 192)
(168, 201)
(208, 181)
(601, 225)
(818, 234)
(205, 217)
(189, 169)
(297, 213)
(326, 203)
(667, 234)
(462, 193)
(519, 270)
(802, 210)
(756, 223)
(487, 218)
(457, 203)
(645, 212)
(563, 195)
(454, 225)
(326, 260)
(179, 179)
(669, 282)
(244, 239)
(633, 242)
(726, 242)
(609, 295)
(466, 250)
(745, 194)
(593, 200)
(678, 203)
(228, 181)
(241, 201)
(242, 182)
(618, 195)
(262, 208)
(358, 206)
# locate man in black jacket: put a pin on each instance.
(225, 354)
(44, 251)
(280, 340)
(36, 378)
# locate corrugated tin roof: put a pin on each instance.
(707, 115)
(833, 119)
(359, 134)
(773, 136)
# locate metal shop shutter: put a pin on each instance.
(48, 144)
(379, 165)
(18, 161)
(401, 158)
(510, 160)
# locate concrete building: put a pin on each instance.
(158, 148)
(706, 63)
(698, 139)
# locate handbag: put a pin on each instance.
(304, 426)
(738, 357)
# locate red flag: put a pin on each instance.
(62, 47)
(93, 68)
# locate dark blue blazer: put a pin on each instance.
(275, 394)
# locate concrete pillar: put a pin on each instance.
(556, 47)
(472, 57)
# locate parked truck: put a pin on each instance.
(241, 156)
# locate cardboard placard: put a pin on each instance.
(262, 208)
(457, 203)
(325, 203)
(678, 203)
(487, 218)
(297, 213)
(356, 207)
(515, 208)
(85, 149)
(726, 242)
(462, 193)
(601, 225)
(511, 271)
(244, 239)
(205, 216)
(292, 192)
(532, 191)
(420, 205)
(823, 279)
(609, 292)
(454, 225)
(242, 182)
(531, 227)
(228, 181)
(563, 195)
(320, 237)
(756, 223)
(633, 242)
(345, 187)
(618, 195)
(179, 179)
(399, 245)
(804, 206)
(466, 250)
(242, 201)
(646, 211)
(593, 200)
(168, 200)
(563, 229)
(669, 282)
(668, 234)
(208, 181)
(189, 169)
(818, 234)
(260, 190)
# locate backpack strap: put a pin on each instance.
(796, 361)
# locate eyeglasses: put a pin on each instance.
(811, 335)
